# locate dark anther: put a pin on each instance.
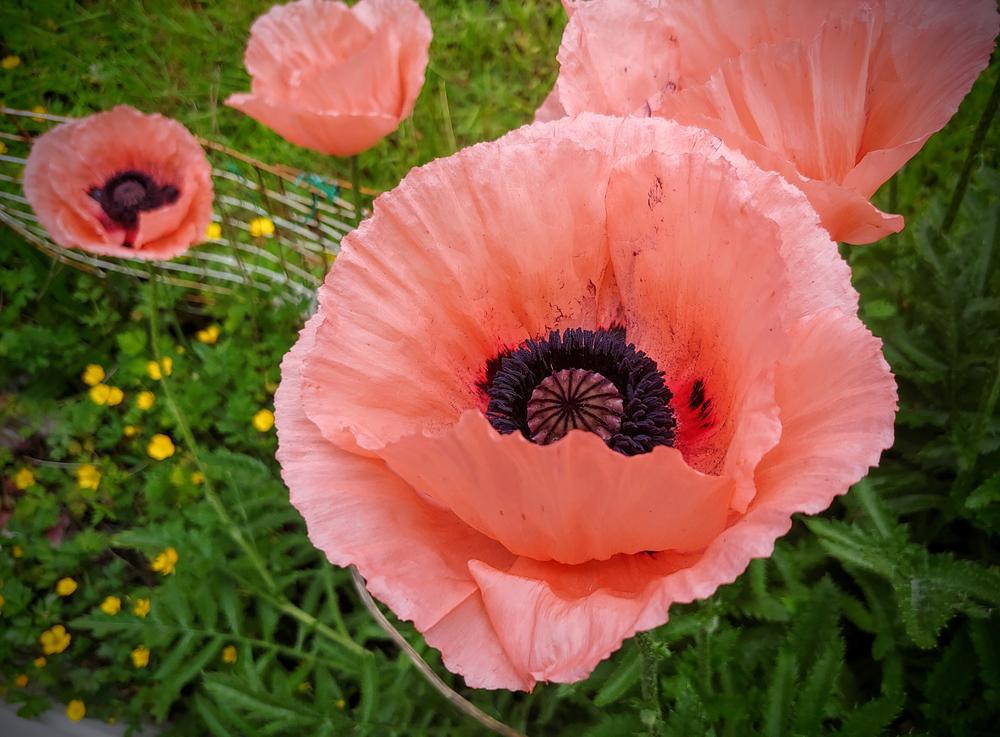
(128, 193)
(581, 379)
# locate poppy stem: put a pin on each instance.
(652, 712)
(978, 139)
(356, 189)
(454, 698)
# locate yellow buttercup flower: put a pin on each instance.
(21, 681)
(88, 477)
(111, 605)
(261, 227)
(92, 374)
(41, 110)
(167, 363)
(76, 710)
(229, 654)
(213, 232)
(197, 478)
(209, 335)
(130, 431)
(24, 478)
(165, 561)
(263, 420)
(99, 394)
(140, 657)
(40, 662)
(141, 607)
(146, 399)
(9, 62)
(115, 396)
(160, 447)
(65, 586)
(17, 551)
(55, 640)
(153, 369)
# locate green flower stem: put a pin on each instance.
(978, 139)
(650, 683)
(356, 188)
(215, 502)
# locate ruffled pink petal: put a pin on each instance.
(572, 501)
(67, 162)
(927, 61)
(329, 133)
(551, 108)
(615, 72)
(425, 292)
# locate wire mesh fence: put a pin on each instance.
(310, 215)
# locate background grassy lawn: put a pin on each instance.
(880, 616)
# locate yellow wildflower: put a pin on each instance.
(24, 478)
(99, 394)
(9, 62)
(92, 375)
(55, 640)
(197, 478)
(263, 420)
(21, 681)
(213, 232)
(229, 654)
(130, 431)
(111, 605)
(167, 363)
(41, 110)
(261, 227)
(340, 703)
(153, 369)
(40, 662)
(3, 148)
(209, 335)
(76, 710)
(160, 447)
(165, 561)
(65, 586)
(146, 399)
(141, 607)
(140, 657)
(88, 477)
(115, 396)
(17, 551)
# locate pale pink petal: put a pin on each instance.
(425, 292)
(551, 108)
(572, 501)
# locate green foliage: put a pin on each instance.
(879, 617)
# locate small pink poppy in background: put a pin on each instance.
(332, 78)
(560, 381)
(121, 183)
(836, 95)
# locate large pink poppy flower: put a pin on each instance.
(560, 381)
(835, 95)
(121, 183)
(332, 78)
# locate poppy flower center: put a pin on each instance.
(591, 380)
(128, 193)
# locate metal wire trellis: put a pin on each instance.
(309, 213)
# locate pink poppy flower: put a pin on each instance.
(563, 380)
(332, 78)
(121, 183)
(835, 95)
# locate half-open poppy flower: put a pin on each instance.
(560, 381)
(835, 95)
(332, 78)
(121, 183)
